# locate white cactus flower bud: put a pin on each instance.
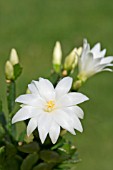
(14, 57)
(9, 72)
(57, 53)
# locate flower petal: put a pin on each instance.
(107, 60)
(63, 120)
(46, 89)
(63, 86)
(33, 88)
(31, 126)
(25, 112)
(54, 132)
(44, 123)
(75, 121)
(30, 99)
(78, 111)
(96, 48)
(71, 99)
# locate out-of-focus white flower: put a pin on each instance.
(50, 108)
(93, 61)
(14, 57)
(57, 56)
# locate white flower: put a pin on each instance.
(50, 108)
(93, 61)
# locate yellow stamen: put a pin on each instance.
(50, 106)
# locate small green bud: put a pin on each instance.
(9, 71)
(77, 84)
(14, 57)
(57, 57)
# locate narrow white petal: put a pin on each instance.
(87, 64)
(31, 126)
(77, 97)
(63, 86)
(101, 54)
(96, 48)
(54, 132)
(107, 60)
(44, 123)
(107, 69)
(32, 87)
(75, 121)
(71, 99)
(46, 89)
(30, 99)
(85, 51)
(24, 113)
(63, 120)
(78, 111)
(102, 67)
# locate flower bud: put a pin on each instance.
(71, 61)
(14, 57)
(79, 51)
(77, 84)
(9, 72)
(57, 57)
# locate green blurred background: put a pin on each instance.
(32, 27)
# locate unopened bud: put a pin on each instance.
(14, 57)
(77, 84)
(57, 57)
(79, 51)
(71, 61)
(9, 72)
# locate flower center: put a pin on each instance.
(50, 106)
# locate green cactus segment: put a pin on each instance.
(29, 161)
(29, 148)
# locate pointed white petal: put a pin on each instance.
(88, 64)
(71, 99)
(78, 111)
(63, 86)
(75, 121)
(96, 48)
(54, 132)
(101, 54)
(44, 123)
(63, 120)
(86, 49)
(102, 67)
(77, 97)
(24, 113)
(107, 69)
(107, 60)
(31, 126)
(30, 99)
(46, 89)
(33, 88)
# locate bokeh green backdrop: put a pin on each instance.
(32, 27)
